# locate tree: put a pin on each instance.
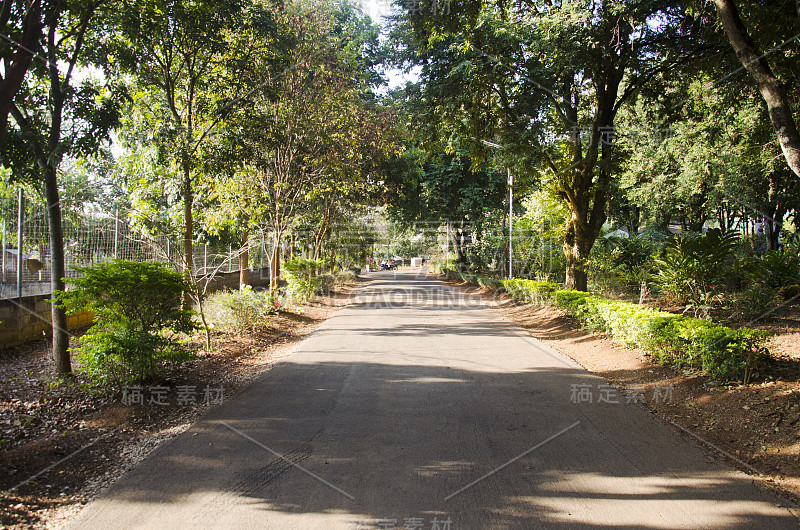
(302, 132)
(533, 75)
(445, 186)
(771, 87)
(54, 118)
(175, 49)
(21, 28)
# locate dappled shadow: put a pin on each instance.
(616, 468)
(399, 413)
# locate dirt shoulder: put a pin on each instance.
(755, 427)
(61, 444)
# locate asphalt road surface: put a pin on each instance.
(416, 407)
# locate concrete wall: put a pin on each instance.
(26, 319)
(29, 288)
(230, 280)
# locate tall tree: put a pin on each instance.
(772, 89)
(444, 186)
(54, 118)
(532, 75)
(21, 31)
(175, 49)
(304, 129)
(714, 159)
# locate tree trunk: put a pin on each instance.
(244, 261)
(57, 272)
(17, 68)
(275, 262)
(460, 237)
(775, 210)
(319, 237)
(577, 245)
(772, 233)
(188, 222)
(771, 88)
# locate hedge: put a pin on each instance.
(724, 353)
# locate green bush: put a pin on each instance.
(329, 280)
(301, 279)
(137, 319)
(452, 274)
(530, 291)
(489, 283)
(779, 270)
(242, 311)
(693, 267)
(469, 278)
(725, 354)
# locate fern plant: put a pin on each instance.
(691, 269)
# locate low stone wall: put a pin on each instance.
(28, 318)
(230, 280)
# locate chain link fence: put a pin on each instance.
(90, 239)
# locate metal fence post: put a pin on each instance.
(20, 212)
(116, 233)
(4, 250)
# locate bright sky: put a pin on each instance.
(377, 9)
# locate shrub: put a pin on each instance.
(452, 274)
(137, 319)
(778, 270)
(755, 300)
(242, 311)
(330, 280)
(530, 291)
(692, 268)
(469, 278)
(489, 283)
(301, 278)
(725, 354)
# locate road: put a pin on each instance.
(418, 407)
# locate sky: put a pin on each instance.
(377, 9)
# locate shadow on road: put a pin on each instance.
(407, 436)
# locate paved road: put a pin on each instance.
(417, 407)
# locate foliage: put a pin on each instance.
(692, 268)
(776, 269)
(55, 115)
(626, 267)
(330, 280)
(764, 282)
(304, 141)
(432, 187)
(538, 246)
(302, 280)
(475, 84)
(725, 354)
(245, 310)
(137, 317)
(530, 291)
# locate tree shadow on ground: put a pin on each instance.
(311, 439)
